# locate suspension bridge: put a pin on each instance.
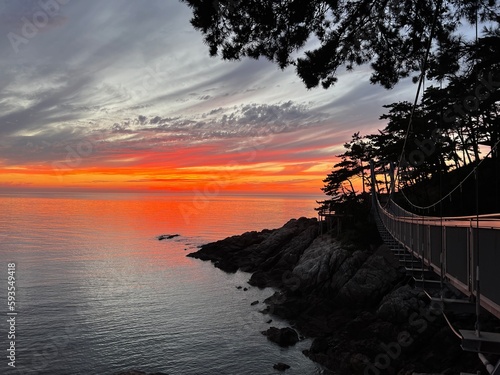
(453, 253)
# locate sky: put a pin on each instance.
(122, 95)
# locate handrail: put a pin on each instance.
(450, 246)
(487, 218)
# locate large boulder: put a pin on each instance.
(325, 267)
(372, 281)
(269, 252)
(273, 270)
(398, 305)
(284, 337)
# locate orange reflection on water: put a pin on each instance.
(106, 227)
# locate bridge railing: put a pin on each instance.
(454, 247)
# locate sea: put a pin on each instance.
(93, 290)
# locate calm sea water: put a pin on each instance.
(97, 293)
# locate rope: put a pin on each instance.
(456, 187)
(446, 318)
(451, 327)
(478, 285)
(420, 81)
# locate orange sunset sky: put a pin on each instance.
(122, 96)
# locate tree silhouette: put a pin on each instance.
(391, 35)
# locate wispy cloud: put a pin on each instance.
(125, 85)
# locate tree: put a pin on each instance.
(320, 36)
(339, 184)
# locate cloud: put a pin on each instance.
(123, 85)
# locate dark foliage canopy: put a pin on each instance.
(320, 36)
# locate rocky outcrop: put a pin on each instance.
(167, 236)
(284, 337)
(264, 253)
(280, 366)
(355, 303)
(372, 281)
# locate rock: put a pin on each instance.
(397, 306)
(354, 303)
(254, 303)
(284, 337)
(262, 251)
(325, 266)
(167, 236)
(372, 281)
(280, 366)
(319, 345)
(238, 287)
(274, 270)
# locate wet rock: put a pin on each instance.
(167, 236)
(284, 337)
(264, 252)
(280, 366)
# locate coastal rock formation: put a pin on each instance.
(357, 304)
(280, 366)
(167, 236)
(284, 337)
(260, 252)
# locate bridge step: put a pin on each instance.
(456, 305)
(395, 246)
(410, 262)
(428, 284)
(487, 342)
(402, 251)
(411, 269)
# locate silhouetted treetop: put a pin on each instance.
(320, 36)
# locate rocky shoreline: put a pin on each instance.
(357, 304)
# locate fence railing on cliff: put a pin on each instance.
(453, 247)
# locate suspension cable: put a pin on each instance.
(493, 149)
(421, 80)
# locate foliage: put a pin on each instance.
(446, 131)
(320, 36)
